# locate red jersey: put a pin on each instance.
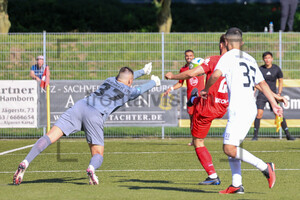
(195, 82)
(217, 101)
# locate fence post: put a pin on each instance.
(44, 54)
(162, 73)
(280, 65)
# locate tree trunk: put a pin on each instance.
(4, 21)
(164, 17)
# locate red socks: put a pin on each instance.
(205, 160)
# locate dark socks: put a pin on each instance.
(256, 127)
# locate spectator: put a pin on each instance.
(37, 70)
(288, 10)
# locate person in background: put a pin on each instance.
(288, 10)
(271, 74)
(191, 83)
(37, 70)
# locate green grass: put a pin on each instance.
(169, 170)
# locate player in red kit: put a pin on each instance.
(206, 110)
(191, 82)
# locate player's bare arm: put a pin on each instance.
(278, 97)
(268, 93)
(174, 87)
(197, 71)
(280, 85)
(214, 77)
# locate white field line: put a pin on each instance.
(149, 152)
(17, 149)
(138, 170)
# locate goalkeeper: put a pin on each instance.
(89, 115)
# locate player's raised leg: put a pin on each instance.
(52, 136)
(95, 162)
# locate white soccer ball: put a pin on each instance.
(195, 62)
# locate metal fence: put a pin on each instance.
(92, 56)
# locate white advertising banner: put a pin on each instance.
(18, 104)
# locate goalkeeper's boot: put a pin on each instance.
(210, 181)
(18, 176)
(233, 190)
(194, 94)
(270, 174)
(93, 179)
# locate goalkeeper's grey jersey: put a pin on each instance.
(111, 95)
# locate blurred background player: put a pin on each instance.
(37, 70)
(288, 10)
(206, 110)
(89, 115)
(271, 74)
(242, 74)
(191, 83)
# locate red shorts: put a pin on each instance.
(205, 111)
(190, 110)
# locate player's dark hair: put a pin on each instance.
(124, 70)
(189, 50)
(267, 53)
(234, 35)
(234, 31)
(222, 38)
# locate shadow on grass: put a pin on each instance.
(169, 189)
(57, 180)
(144, 181)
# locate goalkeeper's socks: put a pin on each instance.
(38, 147)
(96, 161)
(206, 161)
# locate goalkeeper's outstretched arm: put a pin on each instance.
(155, 81)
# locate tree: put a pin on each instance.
(164, 17)
(4, 21)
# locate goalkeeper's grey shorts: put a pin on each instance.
(83, 117)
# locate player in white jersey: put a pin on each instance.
(242, 74)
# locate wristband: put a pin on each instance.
(172, 88)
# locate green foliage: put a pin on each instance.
(114, 16)
(80, 16)
(219, 17)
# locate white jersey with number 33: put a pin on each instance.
(242, 74)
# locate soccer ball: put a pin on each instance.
(195, 62)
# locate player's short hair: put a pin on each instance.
(234, 35)
(222, 38)
(267, 53)
(124, 70)
(189, 50)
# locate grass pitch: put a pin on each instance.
(145, 169)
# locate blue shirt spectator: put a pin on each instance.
(37, 70)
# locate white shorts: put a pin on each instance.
(238, 126)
